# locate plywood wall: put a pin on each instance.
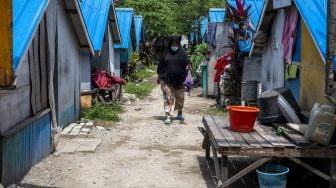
(312, 73)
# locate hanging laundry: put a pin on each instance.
(102, 79)
(291, 71)
(289, 33)
(221, 64)
(211, 38)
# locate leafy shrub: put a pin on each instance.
(140, 90)
(133, 73)
(198, 56)
(146, 54)
(102, 112)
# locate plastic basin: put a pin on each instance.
(242, 118)
(272, 176)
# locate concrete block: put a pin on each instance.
(89, 145)
(85, 130)
(68, 129)
(75, 131)
(100, 128)
(89, 124)
(70, 147)
(82, 135)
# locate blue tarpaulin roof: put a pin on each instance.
(138, 30)
(125, 19)
(314, 14)
(216, 14)
(95, 14)
(26, 17)
(203, 26)
(256, 10)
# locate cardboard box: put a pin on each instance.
(86, 101)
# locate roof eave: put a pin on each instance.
(113, 24)
(72, 8)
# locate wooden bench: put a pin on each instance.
(262, 143)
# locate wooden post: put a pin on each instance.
(331, 49)
(6, 43)
(224, 168)
(332, 173)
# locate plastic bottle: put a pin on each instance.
(322, 124)
(310, 130)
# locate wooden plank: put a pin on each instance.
(25, 123)
(301, 128)
(331, 52)
(310, 168)
(295, 137)
(245, 171)
(37, 72)
(236, 135)
(6, 43)
(332, 172)
(271, 137)
(224, 169)
(250, 140)
(261, 140)
(240, 139)
(214, 133)
(216, 162)
(101, 98)
(205, 142)
(32, 81)
(225, 132)
(43, 64)
(284, 152)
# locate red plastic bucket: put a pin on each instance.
(242, 118)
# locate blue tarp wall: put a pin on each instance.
(316, 23)
(138, 30)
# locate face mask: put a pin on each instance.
(174, 49)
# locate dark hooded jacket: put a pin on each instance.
(172, 67)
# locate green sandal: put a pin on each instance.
(167, 121)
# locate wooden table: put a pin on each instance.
(262, 143)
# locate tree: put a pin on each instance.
(158, 16)
(165, 17)
(192, 11)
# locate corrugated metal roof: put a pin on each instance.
(216, 14)
(27, 15)
(125, 21)
(256, 10)
(138, 30)
(95, 14)
(314, 14)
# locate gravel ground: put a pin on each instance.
(140, 151)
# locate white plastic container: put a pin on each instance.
(322, 124)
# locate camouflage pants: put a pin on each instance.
(171, 96)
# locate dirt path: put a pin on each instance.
(139, 152)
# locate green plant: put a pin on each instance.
(146, 54)
(100, 112)
(198, 56)
(217, 111)
(163, 18)
(133, 73)
(140, 90)
(148, 71)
